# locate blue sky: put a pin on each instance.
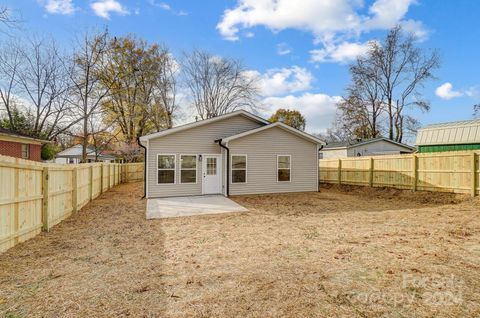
(299, 49)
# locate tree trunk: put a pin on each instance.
(390, 119)
(85, 139)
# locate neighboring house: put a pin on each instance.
(73, 155)
(232, 154)
(452, 136)
(20, 146)
(365, 147)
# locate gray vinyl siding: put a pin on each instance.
(262, 149)
(377, 148)
(197, 140)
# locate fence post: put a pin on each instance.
(74, 190)
(415, 172)
(101, 178)
(370, 181)
(339, 171)
(474, 174)
(108, 177)
(90, 185)
(45, 226)
(16, 209)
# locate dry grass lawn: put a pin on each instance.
(342, 252)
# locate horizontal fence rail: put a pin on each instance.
(36, 196)
(439, 172)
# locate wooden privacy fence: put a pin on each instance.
(441, 172)
(36, 196)
(132, 172)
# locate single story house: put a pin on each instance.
(364, 147)
(20, 146)
(232, 154)
(451, 136)
(73, 155)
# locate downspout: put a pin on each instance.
(228, 164)
(144, 168)
(318, 167)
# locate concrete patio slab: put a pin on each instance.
(192, 205)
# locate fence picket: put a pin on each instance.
(36, 196)
(457, 172)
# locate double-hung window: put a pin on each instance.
(166, 169)
(188, 169)
(239, 169)
(25, 151)
(283, 167)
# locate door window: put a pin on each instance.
(211, 166)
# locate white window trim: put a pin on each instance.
(27, 148)
(180, 168)
(289, 168)
(231, 168)
(174, 169)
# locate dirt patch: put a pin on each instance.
(344, 253)
(384, 193)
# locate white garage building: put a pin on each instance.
(368, 147)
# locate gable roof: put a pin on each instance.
(361, 142)
(204, 122)
(19, 137)
(76, 151)
(281, 125)
(457, 132)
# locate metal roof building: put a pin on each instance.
(452, 136)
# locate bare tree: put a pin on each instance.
(363, 107)
(476, 110)
(88, 89)
(166, 88)
(400, 69)
(218, 85)
(44, 82)
(6, 18)
(10, 60)
(336, 133)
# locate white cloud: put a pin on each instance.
(103, 8)
(334, 24)
(472, 91)
(343, 53)
(283, 49)
(324, 18)
(277, 82)
(384, 14)
(319, 109)
(165, 6)
(416, 28)
(445, 91)
(64, 7)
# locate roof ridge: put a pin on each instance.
(291, 129)
(453, 123)
(204, 122)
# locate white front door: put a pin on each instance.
(211, 174)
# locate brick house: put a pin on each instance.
(20, 146)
